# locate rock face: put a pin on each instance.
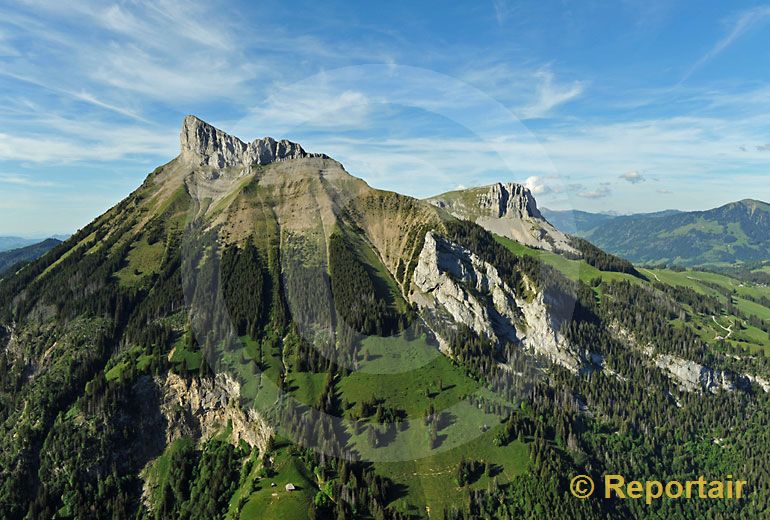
(454, 282)
(693, 376)
(509, 200)
(506, 209)
(201, 408)
(689, 375)
(204, 145)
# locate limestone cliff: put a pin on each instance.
(689, 375)
(692, 376)
(204, 145)
(454, 283)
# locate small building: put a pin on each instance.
(290, 487)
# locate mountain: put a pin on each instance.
(8, 259)
(255, 333)
(7, 243)
(508, 210)
(735, 232)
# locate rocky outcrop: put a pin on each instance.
(509, 210)
(453, 281)
(689, 375)
(692, 376)
(204, 145)
(509, 200)
(202, 408)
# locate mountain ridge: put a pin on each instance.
(735, 232)
(507, 209)
(208, 145)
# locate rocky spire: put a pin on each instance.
(204, 145)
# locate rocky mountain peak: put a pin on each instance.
(509, 199)
(205, 145)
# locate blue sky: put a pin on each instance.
(621, 106)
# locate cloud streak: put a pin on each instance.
(15, 179)
(743, 23)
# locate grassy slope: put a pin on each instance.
(142, 259)
(408, 375)
(750, 338)
(263, 500)
(574, 269)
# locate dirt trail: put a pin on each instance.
(653, 274)
(728, 329)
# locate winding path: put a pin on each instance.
(728, 329)
(653, 274)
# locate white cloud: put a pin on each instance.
(537, 185)
(70, 140)
(80, 96)
(634, 177)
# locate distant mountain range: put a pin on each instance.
(14, 242)
(8, 243)
(734, 233)
(13, 257)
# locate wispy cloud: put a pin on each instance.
(502, 9)
(549, 95)
(307, 105)
(738, 26)
(16, 179)
(80, 96)
(68, 139)
(164, 50)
